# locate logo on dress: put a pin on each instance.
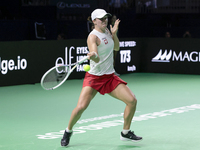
(105, 40)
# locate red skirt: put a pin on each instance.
(103, 84)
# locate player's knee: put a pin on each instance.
(133, 101)
(81, 108)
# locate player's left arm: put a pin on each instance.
(114, 30)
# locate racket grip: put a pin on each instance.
(83, 59)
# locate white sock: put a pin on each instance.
(125, 131)
(69, 131)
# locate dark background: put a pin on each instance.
(139, 18)
(142, 21)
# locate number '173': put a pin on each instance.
(125, 56)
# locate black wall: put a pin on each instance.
(24, 62)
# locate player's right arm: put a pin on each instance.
(92, 45)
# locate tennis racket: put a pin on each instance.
(57, 75)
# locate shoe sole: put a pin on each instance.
(125, 139)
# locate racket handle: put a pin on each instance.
(83, 59)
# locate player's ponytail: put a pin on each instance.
(89, 19)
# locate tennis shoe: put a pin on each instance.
(66, 138)
(130, 136)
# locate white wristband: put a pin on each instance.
(96, 55)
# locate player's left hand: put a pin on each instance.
(114, 29)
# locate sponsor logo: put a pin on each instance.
(162, 57)
(62, 5)
(181, 56)
(10, 65)
(69, 59)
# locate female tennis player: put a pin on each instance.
(101, 77)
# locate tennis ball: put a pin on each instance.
(86, 68)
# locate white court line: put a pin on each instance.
(108, 124)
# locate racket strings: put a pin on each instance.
(55, 77)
